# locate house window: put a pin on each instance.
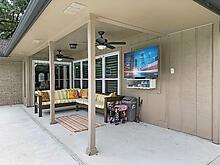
(63, 77)
(107, 73)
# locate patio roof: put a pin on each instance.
(33, 11)
(144, 16)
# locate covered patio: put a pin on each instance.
(185, 96)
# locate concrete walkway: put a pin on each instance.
(23, 142)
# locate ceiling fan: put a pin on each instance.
(60, 57)
(101, 42)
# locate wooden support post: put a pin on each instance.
(91, 150)
(52, 82)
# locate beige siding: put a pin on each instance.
(10, 83)
(183, 101)
(188, 82)
(204, 82)
(173, 99)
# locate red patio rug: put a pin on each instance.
(75, 123)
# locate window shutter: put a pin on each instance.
(111, 86)
(85, 69)
(111, 66)
(99, 86)
(85, 84)
(77, 84)
(77, 71)
(99, 68)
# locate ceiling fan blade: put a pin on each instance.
(109, 46)
(68, 58)
(117, 43)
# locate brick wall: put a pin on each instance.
(10, 82)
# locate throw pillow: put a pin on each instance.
(45, 96)
(72, 94)
(83, 93)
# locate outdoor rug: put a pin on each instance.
(75, 123)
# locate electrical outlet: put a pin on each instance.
(172, 70)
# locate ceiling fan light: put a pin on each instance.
(101, 47)
(59, 59)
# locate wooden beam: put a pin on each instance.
(91, 150)
(52, 81)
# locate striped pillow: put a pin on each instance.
(60, 95)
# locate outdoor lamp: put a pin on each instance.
(59, 59)
(101, 47)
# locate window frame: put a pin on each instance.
(103, 79)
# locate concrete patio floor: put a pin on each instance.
(24, 142)
(133, 143)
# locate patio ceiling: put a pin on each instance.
(153, 17)
(112, 33)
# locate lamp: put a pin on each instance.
(59, 59)
(101, 47)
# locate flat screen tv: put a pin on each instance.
(142, 63)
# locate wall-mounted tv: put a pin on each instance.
(142, 63)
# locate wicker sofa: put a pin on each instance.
(80, 99)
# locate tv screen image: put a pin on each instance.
(142, 63)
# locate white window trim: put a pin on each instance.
(103, 69)
(47, 62)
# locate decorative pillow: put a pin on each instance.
(83, 93)
(60, 95)
(45, 96)
(72, 94)
(56, 96)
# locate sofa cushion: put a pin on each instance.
(60, 94)
(65, 101)
(46, 103)
(100, 98)
(82, 101)
(83, 93)
(99, 105)
(72, 94)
